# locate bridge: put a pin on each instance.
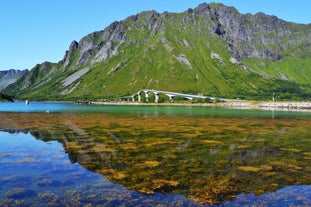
(171, 96)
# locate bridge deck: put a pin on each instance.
(170, 94)
(174, 94)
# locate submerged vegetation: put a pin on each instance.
(207, 159)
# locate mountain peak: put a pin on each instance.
(215, 8)
(211, 49)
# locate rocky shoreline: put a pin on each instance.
(279, 105)
(264, 105)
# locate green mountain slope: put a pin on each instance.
(211, 50)
(8, 77)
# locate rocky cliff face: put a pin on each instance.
(97, 46)
(251, 36)
(247, 36)
(211, 49)
(8, 77)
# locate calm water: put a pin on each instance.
(62, 154)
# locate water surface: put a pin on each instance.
(66, 154)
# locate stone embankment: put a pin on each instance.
(268, 105)
(265, 105)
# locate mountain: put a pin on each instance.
(4, 97)
(8, 77)
(211, 49)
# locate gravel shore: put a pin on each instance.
(278, 105)
(266, 105)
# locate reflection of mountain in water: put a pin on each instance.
(207, 159)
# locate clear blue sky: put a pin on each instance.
(34, 31)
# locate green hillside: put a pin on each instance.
(193, 52)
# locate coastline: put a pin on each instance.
(263, 105)
(270, 105)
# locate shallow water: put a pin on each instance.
(171, 156)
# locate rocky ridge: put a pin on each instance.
(207, 41)
(8, 77)
(247, 36)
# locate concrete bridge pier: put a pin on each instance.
(156, 95)
(147, 96)
(139, 96)
(171, 97)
